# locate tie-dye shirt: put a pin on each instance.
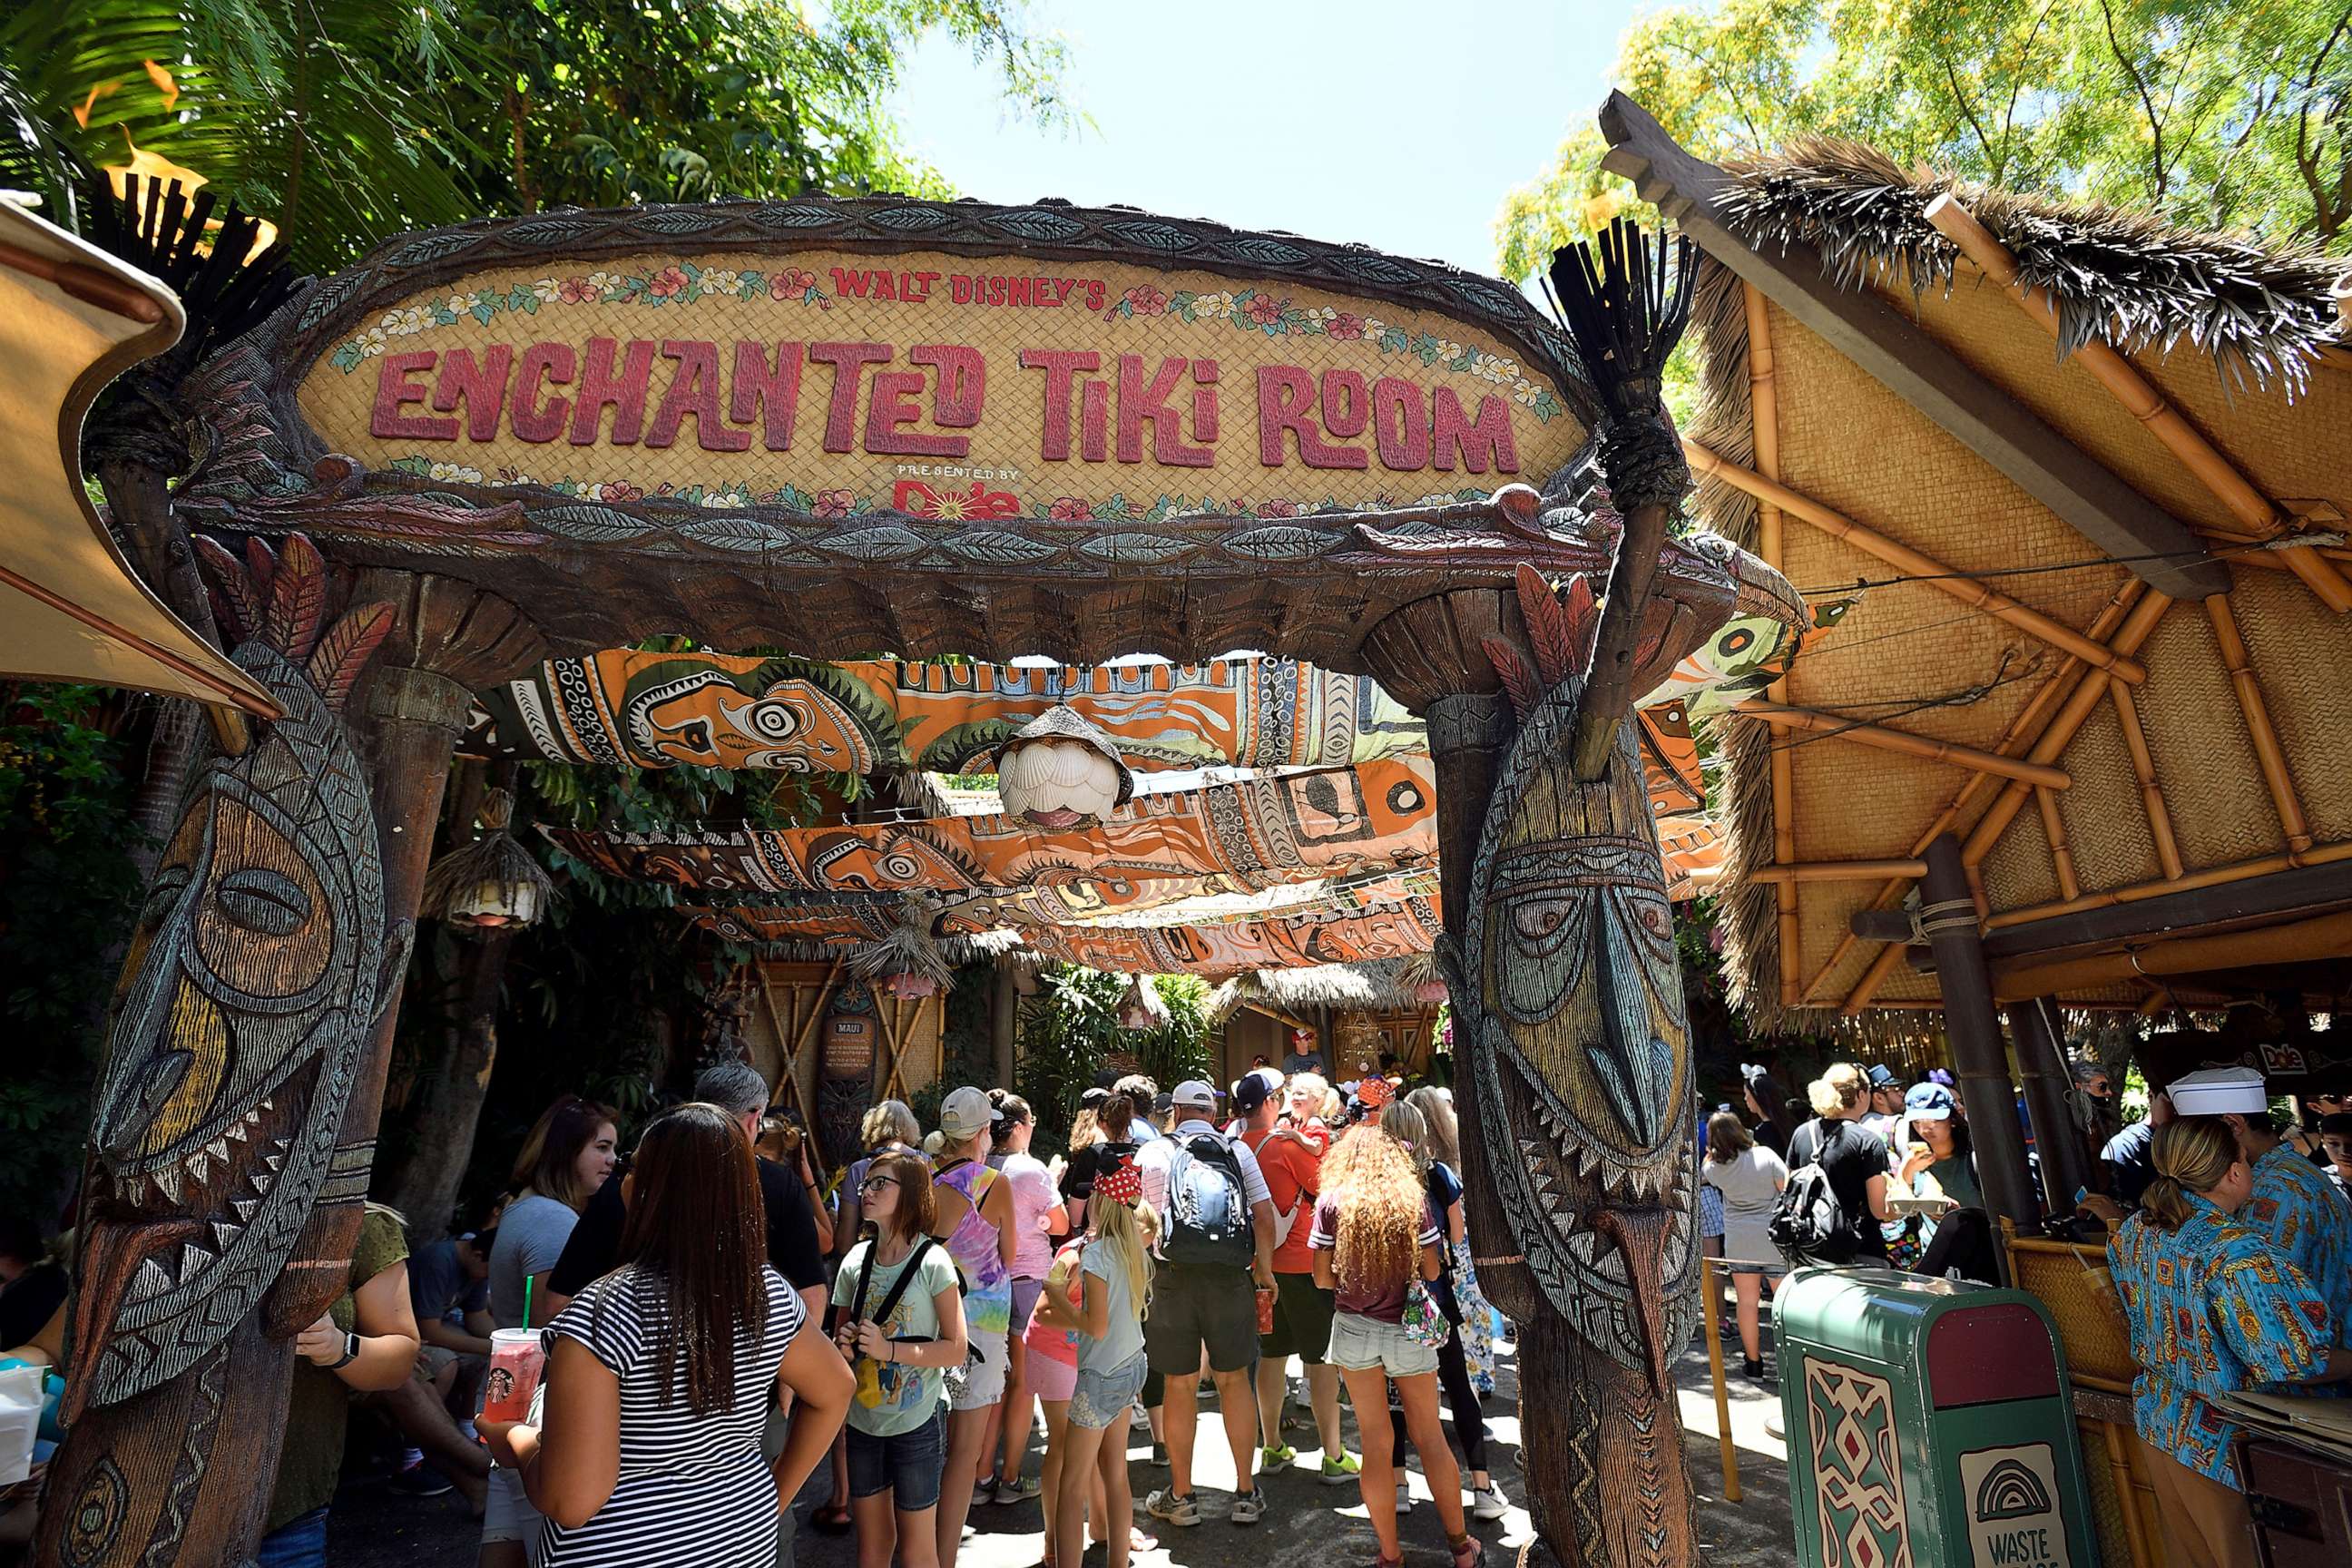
(2309, 1224)
(2212, 1310)
(974, 1244)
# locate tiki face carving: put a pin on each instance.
(1581, 1051)
(253, 975)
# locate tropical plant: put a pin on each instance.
(345, 123)
(1070, 1031)
(2212, 115)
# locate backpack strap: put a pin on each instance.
(898, 1287)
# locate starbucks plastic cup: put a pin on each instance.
(517, 1358)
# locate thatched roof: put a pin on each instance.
(1377, 987)
(2123, 278)
(2167, 787)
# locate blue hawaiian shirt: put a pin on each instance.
(2212, 1310)
(2309, 1222)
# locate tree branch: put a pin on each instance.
(2155, 121)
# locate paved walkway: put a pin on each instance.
(1306, 1524)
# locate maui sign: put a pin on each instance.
(938, 384)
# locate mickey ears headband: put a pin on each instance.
(1121, 1185)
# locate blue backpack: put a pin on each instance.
(1208, 1219)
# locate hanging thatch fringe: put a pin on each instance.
(1378, 986)
(909, 949)
(2127, 278)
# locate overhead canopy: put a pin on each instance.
(71, 319)
(2124, 769)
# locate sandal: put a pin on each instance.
(1470, 1554)
(833, 1518)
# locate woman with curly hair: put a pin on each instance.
(1375, 1237)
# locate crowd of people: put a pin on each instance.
(718, 1327)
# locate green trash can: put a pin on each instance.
(1929, 1423)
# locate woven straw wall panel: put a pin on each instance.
(2105, 819)
(800, 298)
(2212, 782)
(2020, 868)
(2301, 653)
(1981, 324)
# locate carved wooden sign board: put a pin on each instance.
(942, 384)
(766, 398)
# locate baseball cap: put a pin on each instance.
(966, 1112)
(1249, 1093)
(1927, 1102)
(1194, 1095)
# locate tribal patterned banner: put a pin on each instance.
(663, 709)
(1331, 932)
(1256, 833)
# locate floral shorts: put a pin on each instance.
(1103, 1397)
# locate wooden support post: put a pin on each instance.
(2041, 1072)
(1710, 1296)
(1926, 568)
(2151, 793)
(2268, 752)
(1887, 738)
(1979, 1061)
(1004, 1012)
(2204, 461)
(1764, 418)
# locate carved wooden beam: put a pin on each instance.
(1764, 422)
(2268, 752)
(1895, 553)
(2272, 886)
(1924, 374)
(2205, 462)
(1887, 739)
(2151, 793)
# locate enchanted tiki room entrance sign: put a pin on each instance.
(935, 385)
(890, 426)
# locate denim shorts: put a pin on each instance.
(907, 1465)
(1102, 1397)
(1360, 1344)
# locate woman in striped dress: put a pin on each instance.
(661, 1375)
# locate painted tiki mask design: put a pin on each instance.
(255, 973)
(1567, 991)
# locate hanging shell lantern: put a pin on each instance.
(492, 883)
(908, 985)
(1060, 771)
(1140, 1008)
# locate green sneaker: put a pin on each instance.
(1341, 1468)
(1276, 1458)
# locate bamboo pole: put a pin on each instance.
(2061, 856)
(1764, 422)
(2311, 941)
(2214, 877)
(1711, 1306)
(2151, 793)
(2267, 750)
(1887, 739)
(2136, 629)
(2205, 462)
(2020, 731)
(1935, 574)
(1838, 871)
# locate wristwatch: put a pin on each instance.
(350, 1352)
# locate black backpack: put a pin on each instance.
(1809, 1225)
(1208, 1219)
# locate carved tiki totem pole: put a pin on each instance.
(1568, 1016)
(219, 1203)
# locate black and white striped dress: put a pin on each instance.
(692, 1488)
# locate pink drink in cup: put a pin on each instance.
(517, 1358)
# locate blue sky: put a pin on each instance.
(1398, 124)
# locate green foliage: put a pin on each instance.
(2232, 116)
(68, 893)
(1070, 1031)
(347, 121)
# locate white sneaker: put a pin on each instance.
(1489, 1501)
(1137, 1420)
(1404, 1498)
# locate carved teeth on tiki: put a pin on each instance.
(225, 1234)
(199, 1165)
(153, 1280)
(245, 1209)
(167, 1183)
(218, 1149)
(193, 1257)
